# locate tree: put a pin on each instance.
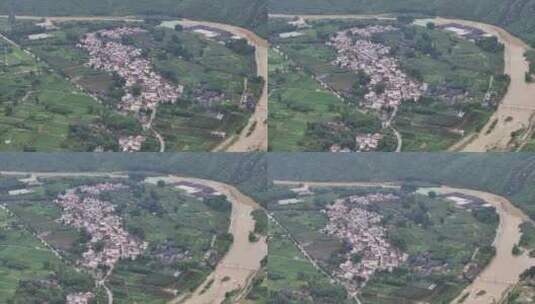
(405, 19)
(380, 88)
(528, 77)
(136, 90)
(516, 250)
(9, 110)
(179, 28)
(356, 258)
(490, 44)
(252, 237)
(430, 26)
(240, 46)
(363, 78)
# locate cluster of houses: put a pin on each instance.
(364, 142)
(109, 241)
(144, 88)
(367, 142)
(131, 143)
(351, 221)
(298, 23)
(80, 298)
(356, 52)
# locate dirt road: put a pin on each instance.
(253, 137)
(518, 104)
(236, 270)
(504, 270)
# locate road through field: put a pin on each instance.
(515, 111)
(493, 283)
(253, 137)
(235, 271)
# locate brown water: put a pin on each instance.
(503, 271)
(242, 261)
(518, 103)
(257, 140)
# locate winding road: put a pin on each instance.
(493, 283)
(516, 109)
(237, 268)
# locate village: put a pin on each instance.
(356, 52)
(109, 241)
(351, 221)
(144, 88)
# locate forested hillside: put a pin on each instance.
(511, 175)
(246, 13)
(517, 16)
(246, 171)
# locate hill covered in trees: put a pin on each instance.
(514, 15)
(245, 171)
(244, 13)
(511, 175)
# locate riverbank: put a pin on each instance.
(234, 272)
(516, 109)
(493, 283)
(253, 137)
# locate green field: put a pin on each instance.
(421, 226)
(291, 278)
(27, 266)
(295, 100)
(300, 108)
(171, 222)
(38, 106)
(458, 73)
(42, 108)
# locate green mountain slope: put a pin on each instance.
(511, 175)
(246, 13)
(517, 16)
